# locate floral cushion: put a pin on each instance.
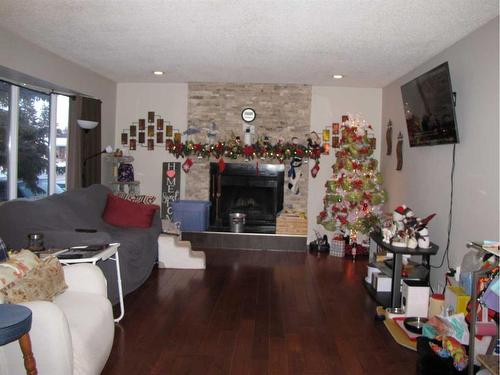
(41, 283)
(144, 199)
(17, 266)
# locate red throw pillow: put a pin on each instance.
(123, 213)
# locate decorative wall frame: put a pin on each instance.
(170, 187)
(156, 131)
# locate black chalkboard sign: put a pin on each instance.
(170, 187)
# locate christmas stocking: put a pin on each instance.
(222, 165)
(186, 166)
(315, 170)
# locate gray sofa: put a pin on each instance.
(58, 216)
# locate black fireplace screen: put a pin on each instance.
(241, 188)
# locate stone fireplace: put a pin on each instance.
(246, 188)
(283, 112)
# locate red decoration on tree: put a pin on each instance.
(358, 184)
(186, 166)
(342, 219)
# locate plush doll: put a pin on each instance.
(451, 348)
(386, 235)
(398, 216)
(400, 239)
(423, 238)
(410, 220)
(412, 242)
(211, 133)
(294, 174)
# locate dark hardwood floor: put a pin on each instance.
(256, 312)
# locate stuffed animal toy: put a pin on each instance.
(386, 235)
(423, 238)
(294, 175)
(398, 216)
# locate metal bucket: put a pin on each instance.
(237, 222)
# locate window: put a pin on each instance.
(4, 139)
(62, 140)
(33, 142)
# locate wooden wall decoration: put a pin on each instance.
(157, 131)
(170, 187)
(399, 152)
(388, 137)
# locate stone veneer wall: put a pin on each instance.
(282, 111)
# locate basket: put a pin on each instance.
(338, 248)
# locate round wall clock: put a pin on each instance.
(248, 114)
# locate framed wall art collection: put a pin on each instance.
(156, 132)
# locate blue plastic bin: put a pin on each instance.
(193, 215)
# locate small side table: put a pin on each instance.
(15, 324)
(110, 253)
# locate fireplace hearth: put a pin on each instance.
(244, 189)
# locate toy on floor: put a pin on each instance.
(451, 348)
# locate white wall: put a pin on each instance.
(27, 58)
(328, 104)
(424, 182)
(134, 100)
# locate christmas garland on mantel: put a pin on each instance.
(235, 149)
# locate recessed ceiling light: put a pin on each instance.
(338, 76)
(158, 73)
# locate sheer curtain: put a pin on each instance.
(82, 145)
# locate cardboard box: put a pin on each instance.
(371, 269)
(381, 282)
(415, 298)
(456, 299)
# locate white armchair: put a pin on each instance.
(72, 335)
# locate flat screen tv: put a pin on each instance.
(430, 108)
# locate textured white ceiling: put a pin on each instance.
(371, 42)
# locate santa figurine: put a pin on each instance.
(399, 215)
